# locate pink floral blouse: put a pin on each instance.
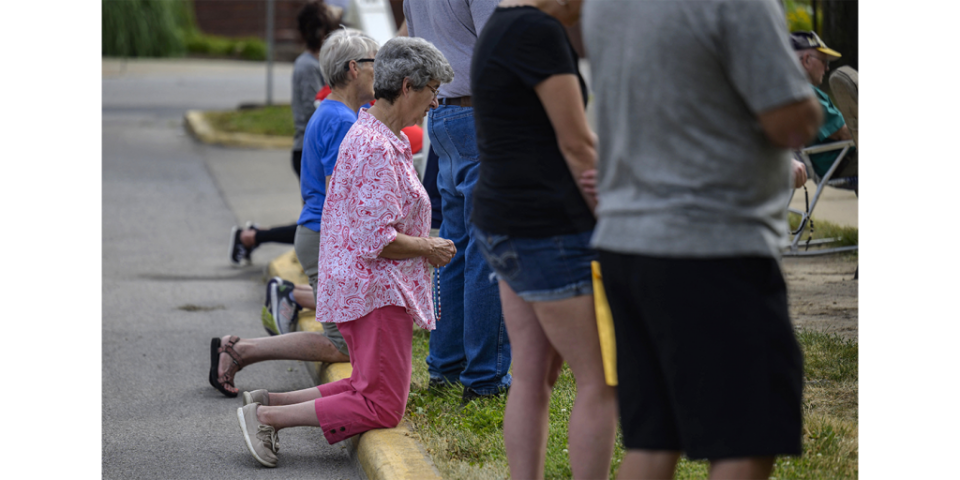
(374, 194)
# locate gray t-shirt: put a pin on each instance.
(307, 81)
(685, 169)
(453, 27)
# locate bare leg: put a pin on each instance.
(303, 295)
(648, 464)
(571, 326)
(305, 346)
(295, 397)
(541, 333)
(302, 414)
(526, 418)
(742, 468)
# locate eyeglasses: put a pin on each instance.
(436, 91)
(361, 60)
(826, 63)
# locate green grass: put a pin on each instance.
(272, 120)
(824, 229)
(468, 444)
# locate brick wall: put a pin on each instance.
(248, 18)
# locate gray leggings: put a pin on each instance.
(306, 244)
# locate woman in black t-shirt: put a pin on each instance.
(533, 224)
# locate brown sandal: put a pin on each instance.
(220, 382)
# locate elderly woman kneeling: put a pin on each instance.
(375, 250)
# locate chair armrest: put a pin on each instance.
(826, 147)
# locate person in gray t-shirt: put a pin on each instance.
(697, 105)
(315, 21)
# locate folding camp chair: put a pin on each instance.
(843, 175)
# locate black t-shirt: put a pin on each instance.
(524, 188)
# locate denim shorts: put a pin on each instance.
(541, 269)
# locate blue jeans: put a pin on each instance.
(470, 344)
(544, 269)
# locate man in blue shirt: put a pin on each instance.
(815, 58)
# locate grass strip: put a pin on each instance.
(847, 236)
(272, 120)
(468, 443)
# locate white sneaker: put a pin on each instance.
(261, 440)
(257, 396)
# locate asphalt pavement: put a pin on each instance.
(168, 205)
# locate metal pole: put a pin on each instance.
(269, 52)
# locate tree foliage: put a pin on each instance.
(145, 28)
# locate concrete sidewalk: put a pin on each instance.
(168, 286)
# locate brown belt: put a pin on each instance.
(458, 101)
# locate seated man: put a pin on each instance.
(815, 60)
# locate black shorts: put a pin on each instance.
(706, 356)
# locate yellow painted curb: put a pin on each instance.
(197, 124)
(287, 267)
(383, 454)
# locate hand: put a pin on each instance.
(440, 251)
(588, 183)
(799, 174)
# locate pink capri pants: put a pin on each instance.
(375, 395)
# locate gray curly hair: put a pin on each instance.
(413, 58)
(338, 49)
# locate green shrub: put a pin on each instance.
(250, 48)
(145, 28)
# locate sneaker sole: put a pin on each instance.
(275, 304)
(267, 320)
(246, 440)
